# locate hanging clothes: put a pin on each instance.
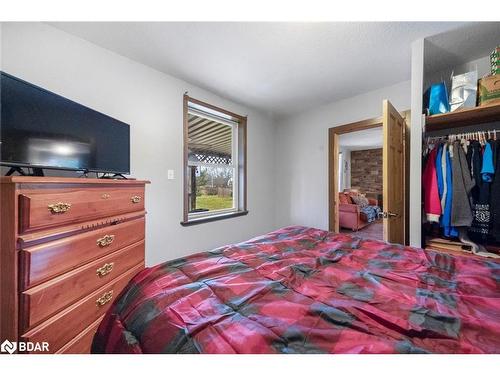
(461, 210)
(448, 229)
(432, 203)
(461, 187)
(469, 155)
(495, 194)
(444, 173)
(439, 174)
(487, 170)
(480, 193)
(474, 162)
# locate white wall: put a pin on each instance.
(302, 153)
(417, 78)
(152, 103)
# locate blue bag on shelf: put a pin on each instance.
(436, 99)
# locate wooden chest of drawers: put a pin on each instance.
(68, 248)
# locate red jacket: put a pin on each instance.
(432, 203)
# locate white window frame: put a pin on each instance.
(234, 166)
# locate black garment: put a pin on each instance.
(480, 194)
(495, 194)
(469, 156)
(461, 205)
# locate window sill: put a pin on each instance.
(208, 219)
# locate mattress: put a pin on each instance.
(305, 290)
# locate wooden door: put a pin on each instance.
(334, 182)
(393, 174)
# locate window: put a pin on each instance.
(214, 163)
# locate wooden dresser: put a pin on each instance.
(68, 247)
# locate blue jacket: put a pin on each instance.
(439, 171)
(448, 230)
(488, 170)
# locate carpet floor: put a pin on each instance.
(373, 231)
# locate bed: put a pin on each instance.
(304, 290)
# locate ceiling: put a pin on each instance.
(277, 68)
(362, 140)
(466, 44)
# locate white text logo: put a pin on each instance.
(10, 347)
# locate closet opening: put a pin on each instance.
(461, 183)
(460, 196)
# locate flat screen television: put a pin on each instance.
(40, 129)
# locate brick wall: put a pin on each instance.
(366, 170)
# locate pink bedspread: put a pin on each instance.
(303, 290)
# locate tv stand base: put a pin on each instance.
(116, 176)
(35, 172)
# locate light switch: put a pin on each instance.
(170, 174)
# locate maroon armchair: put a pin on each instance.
(350, 215)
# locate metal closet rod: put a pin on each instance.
(476, 135)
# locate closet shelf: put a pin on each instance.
(464, 117)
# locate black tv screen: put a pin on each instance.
(40, 129)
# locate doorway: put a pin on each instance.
(360, 190)
(392, 224)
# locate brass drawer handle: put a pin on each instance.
(105, 269)
(59, 207)
(106, 240)
(105, 196)
(136, 199)
(104, 299)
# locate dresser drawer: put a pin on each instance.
(66, 325)
(44, 300)
(43, 209)
(42, 262)
(82, 343)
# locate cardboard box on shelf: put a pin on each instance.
(489, 90)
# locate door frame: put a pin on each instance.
(333, 162)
